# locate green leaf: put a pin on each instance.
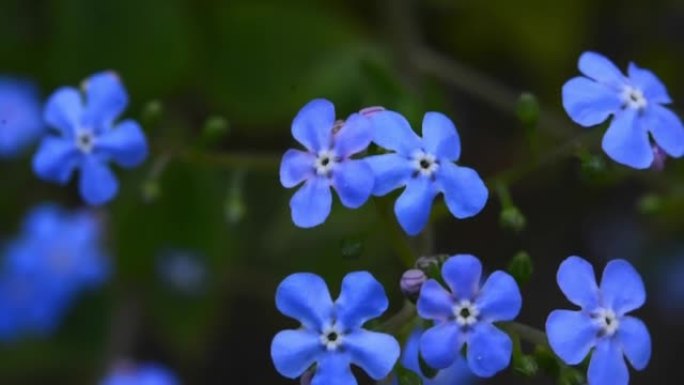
(407, 377)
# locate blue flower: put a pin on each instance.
(326, 162)
(21, 123)
(143, 374)
(87, 138)
(331, 334)
(464, 314)
(602, 324)
(425, 166)
(636, 103)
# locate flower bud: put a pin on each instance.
(659, 157)
(411, 282)
(306, 378)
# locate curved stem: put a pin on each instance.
(526, 332)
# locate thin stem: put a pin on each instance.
(396, 235)
(526, 332)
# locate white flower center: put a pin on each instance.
(324, 163)
(85, 140)
(634, 98)
(331, 338)
(424, 163)
(466, 313)
(607, 321)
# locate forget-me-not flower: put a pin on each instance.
(464, 314)
(141, 374)
(635, 101)
(88, 138)
(602, 324)
(425, 166)
(21, 123)
(331, 335)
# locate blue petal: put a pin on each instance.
(636, 341)
(353, 180)
(489, 350)
(354, 136)
(296, 167)
(294, 351)
(571, 334)
(440, 137)
(375, 353)
(441, 344)
(577, 281)
(457, 374)
(361, 298)
(63, 110)
(98, 184)
(311, 204)
(393, 132)
(666, 128)
(464, 191)
(601, 69)
(312, 127)
(607, 367)
(622, 287)
(333, 369)
(413, 206)
(305, 297)
(654, 90)
(106, 99)
(434, 302)
(55, 159)
(391, 172)
(589, 103)
(499, 299)
(409, 355)
(462, 273)
(626, 140)
(125, 144)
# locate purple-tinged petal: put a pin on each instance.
(499, 298)
(601, 69)
(413, 206)
(106, 99)
(64, 109)
(375, 353)
(489, 350)
(440, 137)
(441, 344)
(577, 281)
(434, 302)
(571, 334)
(607, 366)
(311, 204)
(296, 167)
(636, 341)
(333, 369)
(125, 144)
(626, 140)
(361, 298)
(654, 90)
(622, 287)
(354, 136)
(55, 159)
(353, 180)
(393, 132)
(666, 128)
(294, 351)
(98, 183)
(456, 374)
(312, 127)
(589, 103)
(305, 297)
(462, 273)
(464, 191)
(391, 172)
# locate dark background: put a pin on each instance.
(254, 63)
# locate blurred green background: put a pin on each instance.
(253, 64)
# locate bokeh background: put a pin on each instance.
(195, 67)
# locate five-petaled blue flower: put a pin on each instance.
(425, 166)
(331, 335)
(142, 374)
(21, 123)
(88, 138)
(636, 103)
(602, 323)
(326, 163)
(464, 315)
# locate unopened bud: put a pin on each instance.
(411, 282)
(659, 157)
(512, 218)
(306, 378)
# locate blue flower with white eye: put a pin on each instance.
(326, 162)
(21, 123)
(464, 315)
(331, 334)
(635, 101)
(143, 374)
(425, 166)
(88, 138)
(602, 324)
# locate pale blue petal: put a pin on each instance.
(607, 366)
(354, 136)
(577, 281)
(622, 287)
(391, 172)
(361, 298)
(441, 344)
(589, 103)
(409, 355)
(106, 99)
(311, 204)
(434, 302)
(654, 90)
(305, 297)
(55, 159)
(601, 69)
(375, 353)
(489, 350)
(499, 299)
(666, 128)
(296, 167)
(312, 127)
(464, 191)
(626, 140)
(63, 110)
(97, 184)
(294, 351)
(463, 273)
(440, 137)
(125, 144)
(571, 335)
(333, 369)
(393, 132)
(353, 180)
(636, 341)
(413, 206)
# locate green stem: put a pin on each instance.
(526, 332)
(396, 235)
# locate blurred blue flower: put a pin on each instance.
(143, 374)
(636, 103)
(21, 123)
(464, 314)
(425, 166)
(183, 270)
(331, 335)
(87, 138)
(602, 323)
(326, 162)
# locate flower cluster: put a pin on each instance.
(140, 374)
